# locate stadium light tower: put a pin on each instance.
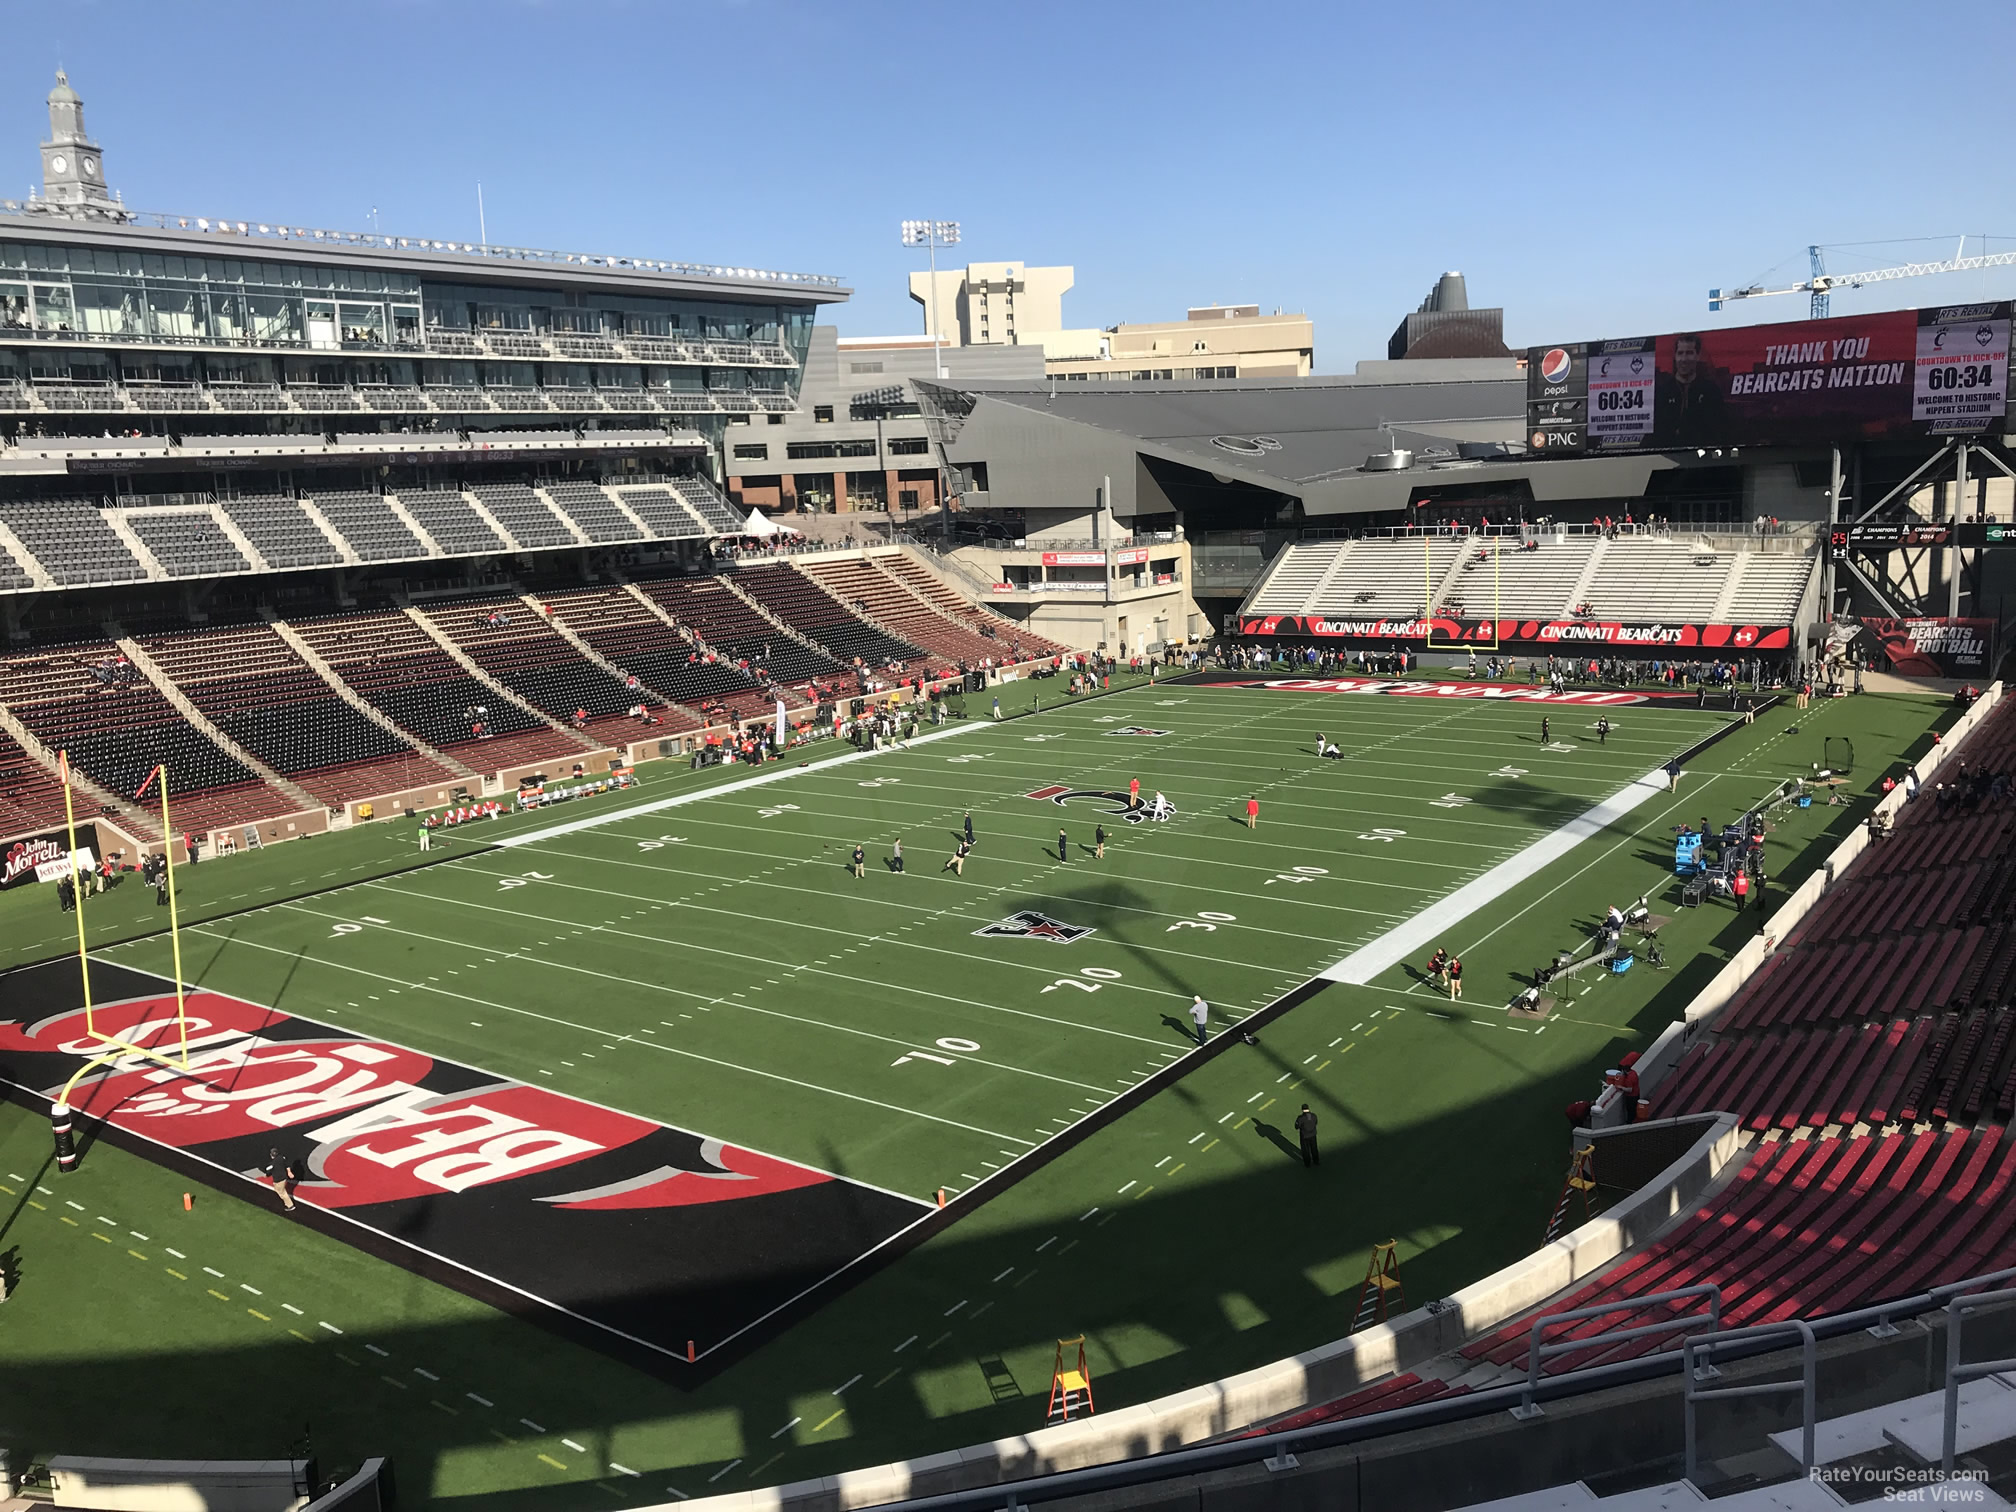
(932, 235)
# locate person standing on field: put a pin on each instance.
(860, 862)
(896, 856)
(426, 838)
(281, 1174)
(1063, 846)
(1099, 843)
(969, 827)
(1455, 978)
(1252, 813)
(1200, 1015)
(1545, 735)
(1305, 1126)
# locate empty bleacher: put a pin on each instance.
(1769, 589)
(366, 521)
(253, 686)
(1538, 583)
(30, 796)
(1291, 583)
(511, 643)
(707, 502)
(449, 519)
(87, 699)
(280, 530)
(393, 665)
(12, 574)
(188, 543)
(887, 602)
(631, 637)
(1647, 579)
(71, 540)
(664, 512)
(808, 608)
(593, 510)
(522, 512)
(724, 621)
(931, 588)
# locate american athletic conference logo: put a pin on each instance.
(1554, 366)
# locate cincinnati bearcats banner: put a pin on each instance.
(653, 1234)
(1934, 647)
(1552, 634)
(1489, 691)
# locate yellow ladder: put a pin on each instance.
(1581, 1178)
(1070, 1385)
(1382, 1275)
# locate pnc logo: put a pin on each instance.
(1554, 366)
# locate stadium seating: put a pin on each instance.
(86, 699)
(543, 668)
(887, 602)
(933, 589)
(280, 530)
(447, 517)
(1540, 583)
(707, 502)
(12, 573)
(366, 521)
(395, 667)
(522, 512)
(1389, 1395)
(634, 639)
(71, 540)
(806, 607)
(593, 510)
(253, 686)
(188, 544)
(1808, 1227)
(663, 511)
(724, 621)
(1769, 589)
(30, 796)
(1649, 579)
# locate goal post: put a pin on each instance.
(112, 1047)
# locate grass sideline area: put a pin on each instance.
(1185, 1239)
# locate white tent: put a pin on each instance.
(759, 524)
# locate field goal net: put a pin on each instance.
(1839, 754)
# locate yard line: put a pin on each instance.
(1362, 965)
(667, 1050)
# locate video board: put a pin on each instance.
(1937, 371)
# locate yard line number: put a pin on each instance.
(1299, 874)
(951, 1042)
(1205, 920)
(1098, 974)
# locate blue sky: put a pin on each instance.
(1593, 168)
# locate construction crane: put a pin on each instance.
(1822, 281)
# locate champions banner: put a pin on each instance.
(1934, 647)
(647, 1234)
(1551, 634)
(1937, 371)
(1487, 692)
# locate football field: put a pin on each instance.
(774, 1066)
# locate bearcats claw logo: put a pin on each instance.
(1116, 802)
(1031, 925)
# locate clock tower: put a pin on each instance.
(73, 170)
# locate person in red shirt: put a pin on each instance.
(1740, 886)
(1134, 792)
(1252, 813)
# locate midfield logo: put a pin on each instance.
(1138, 730)
(1030, 925)
(1116, 803)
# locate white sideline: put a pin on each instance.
(776, 774)
(1400, 942)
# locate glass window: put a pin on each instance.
(176, 314)
(908, 446)
(14, 307)
(752, 451)
(275, 317)
(362, 323)
(107, 309)
(822, 414)
(54, 308)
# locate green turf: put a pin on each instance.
(1210, 1248)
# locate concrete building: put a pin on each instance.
(856, 440)
(1209, 343)
(1446, 327)
(992, 303)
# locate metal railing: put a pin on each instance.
(1536, 1352)
(42, 212)
(1693, 1371)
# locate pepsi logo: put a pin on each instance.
(1554, 366)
